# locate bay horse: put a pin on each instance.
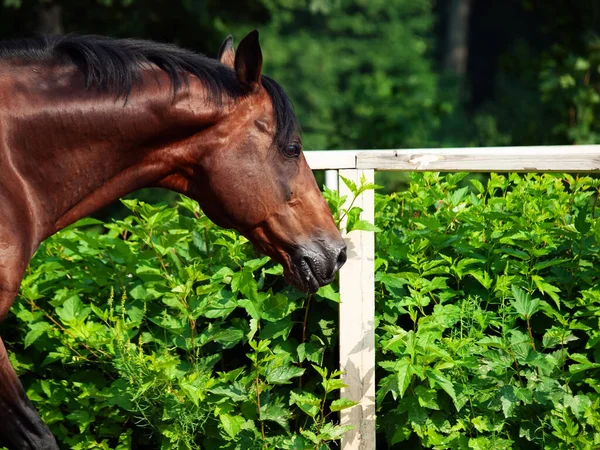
(85, 120)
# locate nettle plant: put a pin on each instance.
(488, 301)
(164, 331)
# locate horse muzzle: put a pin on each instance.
(314, 265)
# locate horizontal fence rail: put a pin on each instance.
(558, 158)
(357, 287)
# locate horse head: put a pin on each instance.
(254, 177)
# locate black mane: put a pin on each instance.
(113, 65)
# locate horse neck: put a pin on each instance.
(80, 152)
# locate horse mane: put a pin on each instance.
(114, 65)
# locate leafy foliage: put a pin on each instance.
(345, 214)
(569, 82)
(487, 301)
(167, 331)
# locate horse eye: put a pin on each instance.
(291, 151)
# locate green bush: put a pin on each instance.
(488, 305)
(167, 332)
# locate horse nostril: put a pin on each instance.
(341, 259)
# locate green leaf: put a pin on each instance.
(417, 415)
(138, 293)
(219, 305)
(281, 328)
(254, 309)
(478, 185)
(401, 433)
(102, 314)
(523, 303)
(331, 432)
(332, 384)
(581, 223)
(509, 400)
(235, 392)
(82, 418)
(582, 64)
(243, 281)
(255, 264)
(557, 336)
(436, 377)
(283, 374)
(457, 196)
(227, 337)
(311, 351)
(404, 372)
(276, 412)
(329, 293)
(73, 310)
(583, 363)
(480, 423)
(427, 397)
(275, 307)
(86, 221)
(312, 437)
(350, 185)
(482, 276)
(547, 288)
(362, 225)
(342, 403)
(231, 424)
(579, 405)
(37, 330)
(306, 401)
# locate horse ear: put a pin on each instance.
(227, 53)
(248, 61)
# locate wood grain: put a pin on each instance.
(357, 329)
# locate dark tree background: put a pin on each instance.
(385, 74)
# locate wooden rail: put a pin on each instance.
(357, 290)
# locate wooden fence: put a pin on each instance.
(357, 287)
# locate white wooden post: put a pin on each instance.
(357, 328)
(331, 179)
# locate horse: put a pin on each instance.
(85, 120)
